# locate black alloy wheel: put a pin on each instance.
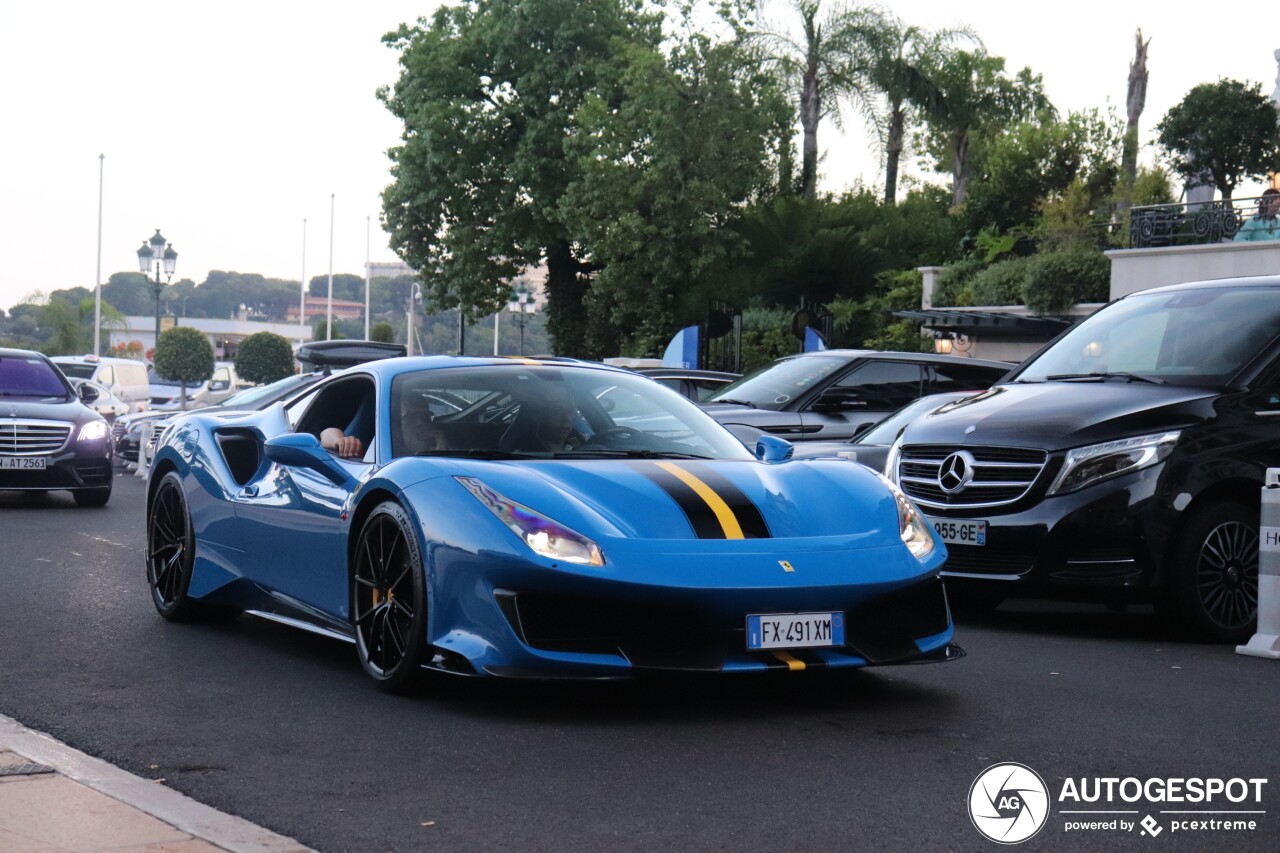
(1216, 586)
(388, 599)
(170, 551)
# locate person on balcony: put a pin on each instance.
(1266, 225)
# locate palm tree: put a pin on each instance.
(824, 64)
(901, 56)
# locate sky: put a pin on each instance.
(225, 125)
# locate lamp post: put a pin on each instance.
(415, 297)
(160, 252)
(521, 303)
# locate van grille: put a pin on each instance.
(954, 476)
(33, 437)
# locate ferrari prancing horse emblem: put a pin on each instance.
(786, 566)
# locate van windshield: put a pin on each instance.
(1187, 337)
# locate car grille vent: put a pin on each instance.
(32, 437)
(994, 475)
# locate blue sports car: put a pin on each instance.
(538, 518)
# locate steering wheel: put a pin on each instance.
(612, 434)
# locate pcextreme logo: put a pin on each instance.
(1008, 803)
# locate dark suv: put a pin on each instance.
(831, 395)
(49, 439)
(1124, 459)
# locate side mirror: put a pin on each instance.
(219, 385)
(303, 450)
(770, 448)
(88, 394)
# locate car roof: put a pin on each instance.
(1214, 283)
(928, 357)
(389, 367)
(14, 351)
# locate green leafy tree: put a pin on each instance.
(1227, 129)
(60, 326)
(185, 355)
(978, 102)
(264, 357)
(662, 172)
(488, 94)
(902, 60)
(823, 63)
(382, 332)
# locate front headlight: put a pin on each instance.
(543, 535)
(92, 430)
(1088, 465)
(912, 527)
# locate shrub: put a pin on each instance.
(1059, 280)
(184, 354)
(953, 284)
(1000, 284)
(264, 357)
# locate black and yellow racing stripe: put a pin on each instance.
(715, 507)
(795, 660)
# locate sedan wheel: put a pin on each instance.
(389, 599)
(1216, 586)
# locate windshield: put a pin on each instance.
(549, 411)
(154, 378)
(1187, 337)
(775, 385)
(263, 395)
(30, 376)
(886, 431)
(78, 371)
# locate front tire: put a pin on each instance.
(389, 600)
(1214, 586)
(171, 551)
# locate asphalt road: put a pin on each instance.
(281, 728)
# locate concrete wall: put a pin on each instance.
(1139, 269)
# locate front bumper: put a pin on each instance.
(1103, 537)
(87, 466)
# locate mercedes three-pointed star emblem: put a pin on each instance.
(956, 472)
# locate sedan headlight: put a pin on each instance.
(94, 430)
(1088, 465)
(912, 527)
(543, 535)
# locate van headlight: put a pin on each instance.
(1088, 465)
(912, 527)
(543, 535)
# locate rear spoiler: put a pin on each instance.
(324, 355)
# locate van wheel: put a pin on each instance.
(1213, 588)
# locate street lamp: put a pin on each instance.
(521, 303)
(415, 297)
(158, 251)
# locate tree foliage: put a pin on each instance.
(184, 354)
(1226, 129)
(264, 357)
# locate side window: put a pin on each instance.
(348, 404)
(133, 374)
(105, 376)
(222, 374)
(950, 378)
(705, 387)
(884, 384)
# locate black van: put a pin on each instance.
(1125, 459)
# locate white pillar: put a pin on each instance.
(97, 290)
(931, 275)
(329, 307)
(1266, 642)
(302, 297)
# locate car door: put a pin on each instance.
(295, 516)
(871, 390)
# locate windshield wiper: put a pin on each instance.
(1099, 376)
(473, 454)
(747, 403)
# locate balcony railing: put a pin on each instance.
(1188, 223)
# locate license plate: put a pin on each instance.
(794, 630)
(22, 463)
(960, 532)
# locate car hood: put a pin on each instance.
(1060, 415)
(683, 499)
(43, 409)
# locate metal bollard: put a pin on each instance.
(1266, 642)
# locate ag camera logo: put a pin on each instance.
(1008, 803)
